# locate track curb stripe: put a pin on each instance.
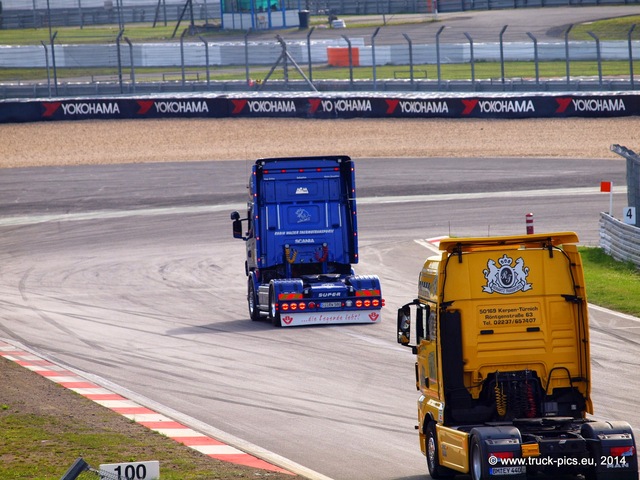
(138, 413)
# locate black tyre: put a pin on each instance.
(435, 469)
(274, 314)
(252, 300)
(476, 462)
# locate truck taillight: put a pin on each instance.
(295, 306)
(368, 302)
(501, 454)
(625, 451)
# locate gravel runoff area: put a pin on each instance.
(138, 141)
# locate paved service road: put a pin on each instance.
(130, 272)
(545, 24)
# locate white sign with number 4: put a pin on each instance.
(130, 471)
(629, 215)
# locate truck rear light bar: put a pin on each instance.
(301, 306)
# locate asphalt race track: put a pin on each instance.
(130, 273)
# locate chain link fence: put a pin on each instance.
(426, 56)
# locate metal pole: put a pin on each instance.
(48, 18)
(46, 59)
(182, 54)
(473, 66)
(373, 58)
(502, 52)
(206, 58)
(119, 59)
(192, 25)
(246, 55)
(120, 16)
(80, 14)
(285, 64)
(566, 52)
(309, 53)
(535, 56)
(438, 53)
(164, 11)
(595, 37)
(53, 60)
(631, 55)
(350, 61)
(133, 72)
(206, 13)
(410, 57)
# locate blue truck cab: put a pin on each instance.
(301, 241)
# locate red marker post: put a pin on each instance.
(529, 217)
(608, 187)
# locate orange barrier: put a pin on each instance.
(339, 56)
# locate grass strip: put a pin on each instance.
(610, 283)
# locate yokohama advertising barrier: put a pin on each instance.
(321, 105)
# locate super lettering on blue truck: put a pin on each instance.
(301, 241)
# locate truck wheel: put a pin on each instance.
(252, 300)
(274, 314)
(477, 465)
(435, 469)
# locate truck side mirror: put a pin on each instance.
(237, 225)
(404, 325)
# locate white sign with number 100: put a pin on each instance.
(130, 471)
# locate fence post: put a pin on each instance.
(76, 469)
(566, 52)
(133, 72)
(309, 53)
(502, 52)
(631, 55)
(350, 61)
(246, 55)
(438, 53)
(46, 59)
(285, 63)
(184, 32)
(206, 59)
(373, 58)
(473, 66)
(535, 56)
(53, 61)
(410, 56)
(598, 56)
(119, 60)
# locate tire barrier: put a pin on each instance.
(325, 106)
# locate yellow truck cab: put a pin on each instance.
(500, 331)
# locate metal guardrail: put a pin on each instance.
(619, 240)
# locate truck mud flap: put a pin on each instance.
(613, 450)
(492, 451)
